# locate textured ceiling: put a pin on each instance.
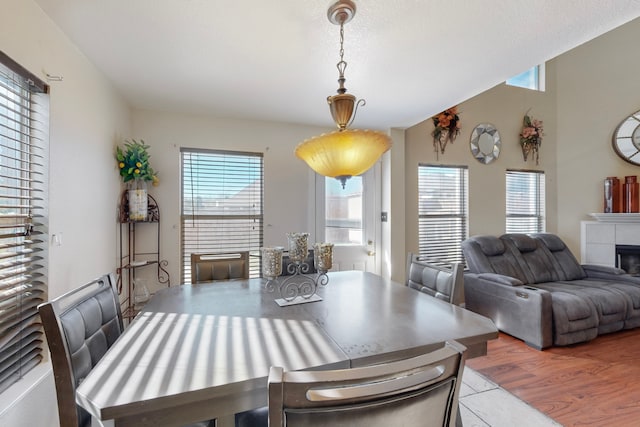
(276, 59)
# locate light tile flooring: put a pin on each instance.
(484, 404)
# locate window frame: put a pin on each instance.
(447, 252)
(539, 202)
(24, 153)
(188, 246)
(540, 79)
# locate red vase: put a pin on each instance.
(630, 194)
(612, 195)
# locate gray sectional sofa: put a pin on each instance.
(533, 288)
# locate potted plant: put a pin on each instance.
(136, 172)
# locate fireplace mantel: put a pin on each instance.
(599, 238)
(616, 217)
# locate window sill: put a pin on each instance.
(20, 390)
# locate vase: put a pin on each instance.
(138, 200)
(630, 195)
(141, 292)
(612, 195)
(526, 149)
(530, 147)
(443, 139)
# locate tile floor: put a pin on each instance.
(484, 404)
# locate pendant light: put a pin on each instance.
(346, 152)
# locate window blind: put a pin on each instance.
(442, 211)
(525, 202)
(24, 123)
(222, 205)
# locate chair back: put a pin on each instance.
(420, 391)
(309, 260)
(219, 266)
(441, 280)
(80, 327)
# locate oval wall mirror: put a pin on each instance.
(626, 139)
(485, 143)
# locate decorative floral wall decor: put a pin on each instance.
(446, 128)
(531, 136)
(133, 162)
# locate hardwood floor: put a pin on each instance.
(590, 384)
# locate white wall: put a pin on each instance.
(87, 119)
(289, 189)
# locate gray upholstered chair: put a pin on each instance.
(440, 280)
(80, 326)
(219, 266)
(286, 262)
(420, 391)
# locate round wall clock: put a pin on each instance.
(626, 139)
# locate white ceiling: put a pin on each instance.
(276, 59)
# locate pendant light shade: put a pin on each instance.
(345, 152)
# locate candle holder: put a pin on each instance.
(272, 262)
(299, 287)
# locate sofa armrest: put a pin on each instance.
(613, 274)
(596, 269)
(500, 279)
(521, 311)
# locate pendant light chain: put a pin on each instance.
(346, 152)
(342, 65)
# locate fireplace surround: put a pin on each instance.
(612, 240)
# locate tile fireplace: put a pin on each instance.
(613, 240)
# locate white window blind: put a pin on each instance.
(525, 202)
(442, 211)
(222, 205)
(24, 124)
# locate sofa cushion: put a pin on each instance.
(610, 305)
(488, 254)
(533, 259)
(562, 259)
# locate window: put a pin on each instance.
(442, 211)
(525, 202)
(344, 212)
(533, 78)
(24, 123)
(222, 209)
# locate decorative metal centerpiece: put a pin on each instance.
(300, 286)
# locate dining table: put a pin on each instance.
(203, 351)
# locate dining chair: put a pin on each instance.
(309, 260)
(80, 326)
(219, 266)
(418, 391)
(438, 279)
